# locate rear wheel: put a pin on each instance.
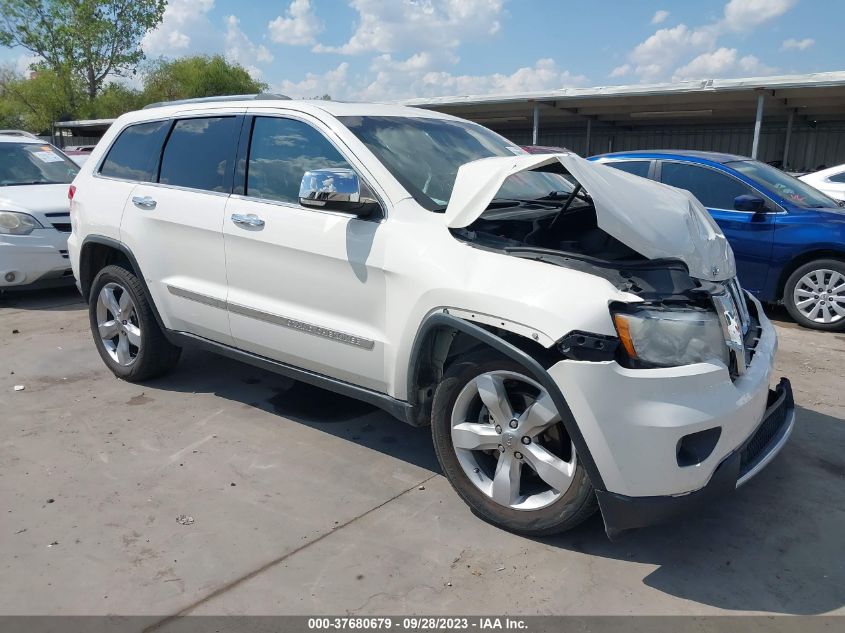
(814, 295)
(124, 328)
(502, 445)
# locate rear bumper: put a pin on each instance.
(622, 513)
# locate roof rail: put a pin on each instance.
(253, 97)
(19, 133)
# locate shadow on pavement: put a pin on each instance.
(319, 409)
(777, 545)
(56, 299)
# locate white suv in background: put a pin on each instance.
(34, 214)
(574, 335)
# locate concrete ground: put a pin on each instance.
(304, 502)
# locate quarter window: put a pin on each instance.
(134, 155)
(713, 189)
(280, 152)
(840, 177)
(199, 153)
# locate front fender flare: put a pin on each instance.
(534, 369)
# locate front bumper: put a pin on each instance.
(622, 513)
(635, 423)
(39, 259)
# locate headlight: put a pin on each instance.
(14, 223)
(668, 337)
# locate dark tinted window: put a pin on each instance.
(636, 167)
(713, 189)
(837, 177)
(135, 153)
(281, 151)
(198, 153)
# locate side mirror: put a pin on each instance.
(749, 203)
(336, 190)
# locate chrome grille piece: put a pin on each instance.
(733, 313)
(738, 296)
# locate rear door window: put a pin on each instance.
(134, 155)
(713, 189)
(636, 167)
(280, 153)
(199, 154)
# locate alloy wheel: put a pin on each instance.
(117, 324)
(820, 296)
(510, 441)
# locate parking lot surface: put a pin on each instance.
(224, 489)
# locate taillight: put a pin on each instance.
(71, 191)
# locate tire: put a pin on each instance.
(138, 349)
(532, 510)
(817, 282)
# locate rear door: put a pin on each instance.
(306, 286)
(174, 225)
(750, 234)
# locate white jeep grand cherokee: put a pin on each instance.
(574, 335)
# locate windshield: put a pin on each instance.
(784, 185)
(424, 154)
(34, 164)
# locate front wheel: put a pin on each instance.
(814, 295)
(502, 445)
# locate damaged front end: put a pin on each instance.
(649, 240)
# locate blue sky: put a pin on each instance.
(395, 49)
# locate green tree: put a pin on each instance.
(34, 103)
(197, 76)
(87, 40)
(115, 99)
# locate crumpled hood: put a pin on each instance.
(656, 220)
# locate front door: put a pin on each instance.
(749, 234)
(306, 287)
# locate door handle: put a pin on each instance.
(144, 202)
(249, 219)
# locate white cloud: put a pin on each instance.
(696, 48)
(389, 26)
(334, 82)
(409, 78)
(797, 45)
(240, 49)
(24, 63)
(659, 16)
(299, 26)
(750, 65)
(707, 65)
(720, 63)
(655, 56)
(390, 79)
(621, 71)
(182, 19)
(742, 15)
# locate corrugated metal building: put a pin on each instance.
(794, 120)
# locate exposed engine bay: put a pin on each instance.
(565, 232)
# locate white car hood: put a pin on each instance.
(35, 200)
(655, 220)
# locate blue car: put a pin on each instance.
(788, 238)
